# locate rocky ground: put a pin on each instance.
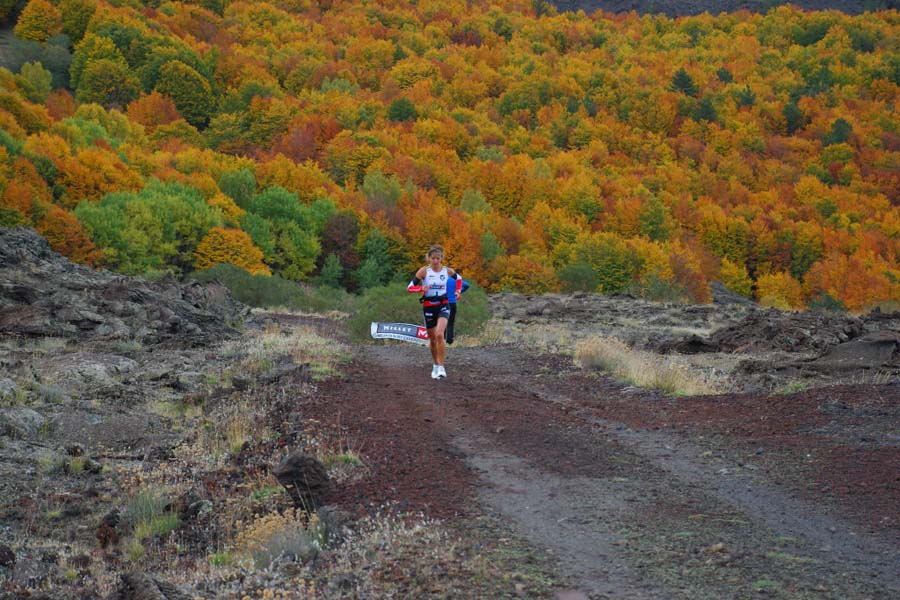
(158, 440)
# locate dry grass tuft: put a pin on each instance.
(302, 344)
(644, 369)
(281, 536)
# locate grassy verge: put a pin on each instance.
(644, 369)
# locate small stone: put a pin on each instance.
(7, 556)
(75, 450)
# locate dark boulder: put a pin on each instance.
(869, 351)
(305, 479)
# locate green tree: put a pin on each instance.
(610, 258)
(332, 272)
(578, 277)
(474, 201)
(491, 247)
(793, 117)
(706, 110)
(161, 52)
(188, 89)
(745, 96)
(57, 59)
(402, 109)
(378, 263)
(19, 52)
(295, 228)
(10, 217)
(34, 82)
(239, 185)
(656, 221)
(296, 251)
(380, 190)
(260, 231)
(156, 229)
(683, 82)
(108, 83)
(90, 48)
(839, 134)
(75, 17)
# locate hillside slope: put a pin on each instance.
(677, 8)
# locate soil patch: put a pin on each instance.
(636, 495)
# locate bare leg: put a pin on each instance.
(433, 345)
(440, 346)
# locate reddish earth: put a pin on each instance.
(637, 495)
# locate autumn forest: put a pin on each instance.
(332, 142)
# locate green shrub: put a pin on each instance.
(825, 302)
(393, 304)
(656, 289)
(473, 312)
(387, 304)
(270, 292)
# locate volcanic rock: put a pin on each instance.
(42, 293)
(869, 351)
(305, 479)
(140, 586)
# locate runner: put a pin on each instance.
(431, 281)
(453, 294)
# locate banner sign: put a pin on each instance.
(400, 331)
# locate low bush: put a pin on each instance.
(387, 304)
(393, 304)
(270, 292)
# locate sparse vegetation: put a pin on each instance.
(643, 369)
(348, 457)
(792, 388)
(144, 507)
(302, 345)
(156, 526)
(51, 394)
(274, 292)
(292, 535)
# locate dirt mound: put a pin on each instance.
(44, 294)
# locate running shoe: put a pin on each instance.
(434, 372)
(441, 373)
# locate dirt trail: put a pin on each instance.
(629, 509)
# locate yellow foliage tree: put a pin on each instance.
(520, 274)
(231, 212)
(734, 276)
(779, 290)
(231, 246)
(39, 21)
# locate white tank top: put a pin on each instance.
(436, 282)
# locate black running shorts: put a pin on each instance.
(433, 313)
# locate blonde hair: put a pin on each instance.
(433, 250)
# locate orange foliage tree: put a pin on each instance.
(67, 236)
